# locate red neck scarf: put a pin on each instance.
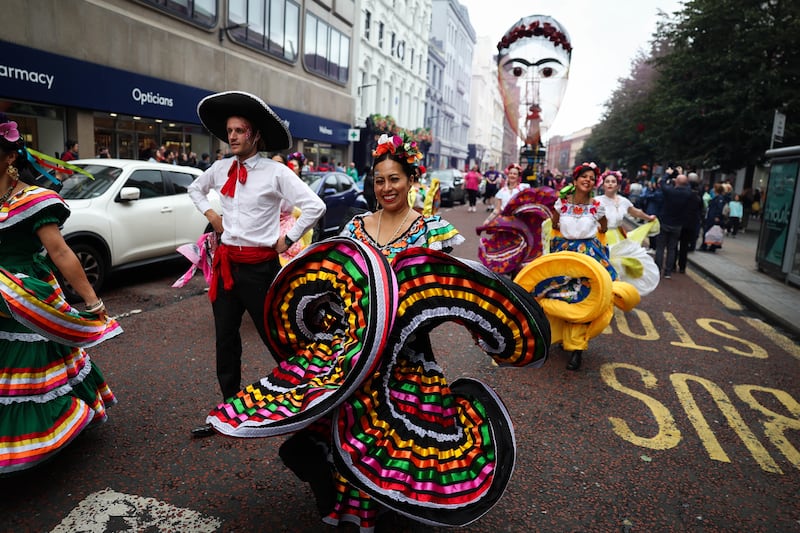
(237, 171)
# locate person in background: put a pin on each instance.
(205, 161)
(617, 206)
(71, 153)
(296, 161)
(747, 207)
(529, 175)
(678, 198)
(103, 153)
(324, 165)
(494, 180)
(735, 213)
(512, 187)
(252, 189)
(714, 216)
(472, 183)
(351, 170)
(50, 390)
(653, 200)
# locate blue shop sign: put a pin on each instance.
(34, 75)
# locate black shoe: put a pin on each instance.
(682, 271)
(206, 430)
(575, 360)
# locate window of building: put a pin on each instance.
(200, 12)
(380, 35)
(326, 50)
(392, 44)
(367, 23)
(271, 26)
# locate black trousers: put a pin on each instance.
(686, 244)
(250, 284)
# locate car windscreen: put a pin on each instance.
(80, 186)
(312, 180)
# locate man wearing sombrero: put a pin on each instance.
(251, 190)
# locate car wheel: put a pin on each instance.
(94, 266)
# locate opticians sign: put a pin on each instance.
(33, 75)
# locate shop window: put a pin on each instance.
(270, 26)
(200, 12)
(326, 51)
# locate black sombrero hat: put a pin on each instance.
(215, 109)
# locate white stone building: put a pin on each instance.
(391, 61)
(486, 107)
(451, 26)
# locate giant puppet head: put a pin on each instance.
(532, 69)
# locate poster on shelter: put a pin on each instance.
(777, 210)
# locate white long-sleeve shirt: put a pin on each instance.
(252, 216)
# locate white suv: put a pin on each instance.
(132, 213)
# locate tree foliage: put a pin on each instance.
(707, 92)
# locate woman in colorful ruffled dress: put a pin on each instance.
(50, 390)
(375, 424)
(580, 219)
(396, 226)
(625, 249)
(617, 206)
(575, 282)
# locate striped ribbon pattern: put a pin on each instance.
(328, 315)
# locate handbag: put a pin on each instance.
(714, 235)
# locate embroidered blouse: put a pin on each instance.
(579, 221)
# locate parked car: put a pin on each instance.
(342, 198)
(451, 185)
(132, 213)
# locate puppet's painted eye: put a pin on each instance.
(547, 72)
(517, 71)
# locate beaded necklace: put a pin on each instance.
(396, 231)
(7, 195)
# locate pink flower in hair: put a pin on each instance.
(9, 131)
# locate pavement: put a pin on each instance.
(734, 268)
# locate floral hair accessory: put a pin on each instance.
(400, 146)
(544, 27)
(586, 166)
(616, 173)
(296, 155)
(513, 165)
(9, 131)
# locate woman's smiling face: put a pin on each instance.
(391, 185)
(585, 180)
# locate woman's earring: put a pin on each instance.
(12, 172)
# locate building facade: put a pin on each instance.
(486, 108)
(451, 26)
(129, 73)
(390, 83)
(562, 151)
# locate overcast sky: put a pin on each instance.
(606, 36)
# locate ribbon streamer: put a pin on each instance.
(37, 159)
